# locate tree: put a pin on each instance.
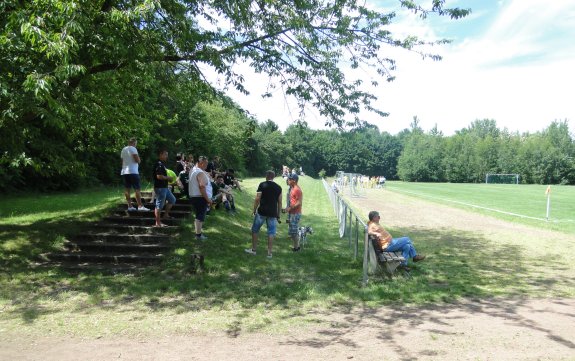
(422, 159)
(267, 149)
(62, 59)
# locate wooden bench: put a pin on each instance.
(386, 261)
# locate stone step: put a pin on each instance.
(121, 238)
(85, 257)
(173, 213)
(98, 267)
(119, 228)
(107, 247)
(148, 194)
(141, 221)
(176, 207)
(196, 264)
(147, 201)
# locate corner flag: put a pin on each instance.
(548, 194)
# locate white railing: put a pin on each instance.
(347, 219)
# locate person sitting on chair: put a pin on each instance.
(389, 244)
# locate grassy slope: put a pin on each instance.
(237, 292)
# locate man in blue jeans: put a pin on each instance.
(388, 244)
(267, 207)
(161, 189)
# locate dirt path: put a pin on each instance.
(493, 329)
(471, 330)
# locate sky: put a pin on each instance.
(510, 60)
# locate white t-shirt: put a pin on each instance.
(129, 165)
(195, 185)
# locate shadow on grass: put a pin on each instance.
(325, 273)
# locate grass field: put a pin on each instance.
(237, 292)
(526, 204)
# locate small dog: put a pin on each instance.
(302, 234)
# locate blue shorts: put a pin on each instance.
(131, 181)
(270, 222)
(293, 223)
(201, 207)
(163, 195)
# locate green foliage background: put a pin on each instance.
(78, 78)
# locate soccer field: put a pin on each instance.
(525, 204)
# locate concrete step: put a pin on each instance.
(176, 207)
(121, 238)
(173, 213)
(119, 228)
(97, 267)
(103, 246)
(148, 194)
(141, 221)
(86, 257)
(148, 201)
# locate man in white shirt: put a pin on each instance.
(200, 194)
(130, 162)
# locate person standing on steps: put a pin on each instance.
(163, 194)
(267, 207)
(130, 174)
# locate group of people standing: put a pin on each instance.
(267, 205)
(199, 186)
(197, 182)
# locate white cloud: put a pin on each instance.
(518, 73)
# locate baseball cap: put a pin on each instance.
(294, 177)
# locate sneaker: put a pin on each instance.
(250, 251)
(143, 209)
(269, 256)
(132, 209)
(201, 237)
(296, 249)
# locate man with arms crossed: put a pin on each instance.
(267, 206)
(130, 162)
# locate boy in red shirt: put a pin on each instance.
(294, 210)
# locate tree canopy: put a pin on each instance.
(81, 76)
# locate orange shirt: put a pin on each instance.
(382, 235)
(295, 196)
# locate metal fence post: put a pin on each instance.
(356, 238)
(365, 256)
(350, 228)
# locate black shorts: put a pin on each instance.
(131, 181)
(201, 207)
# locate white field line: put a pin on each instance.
(468, 204)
